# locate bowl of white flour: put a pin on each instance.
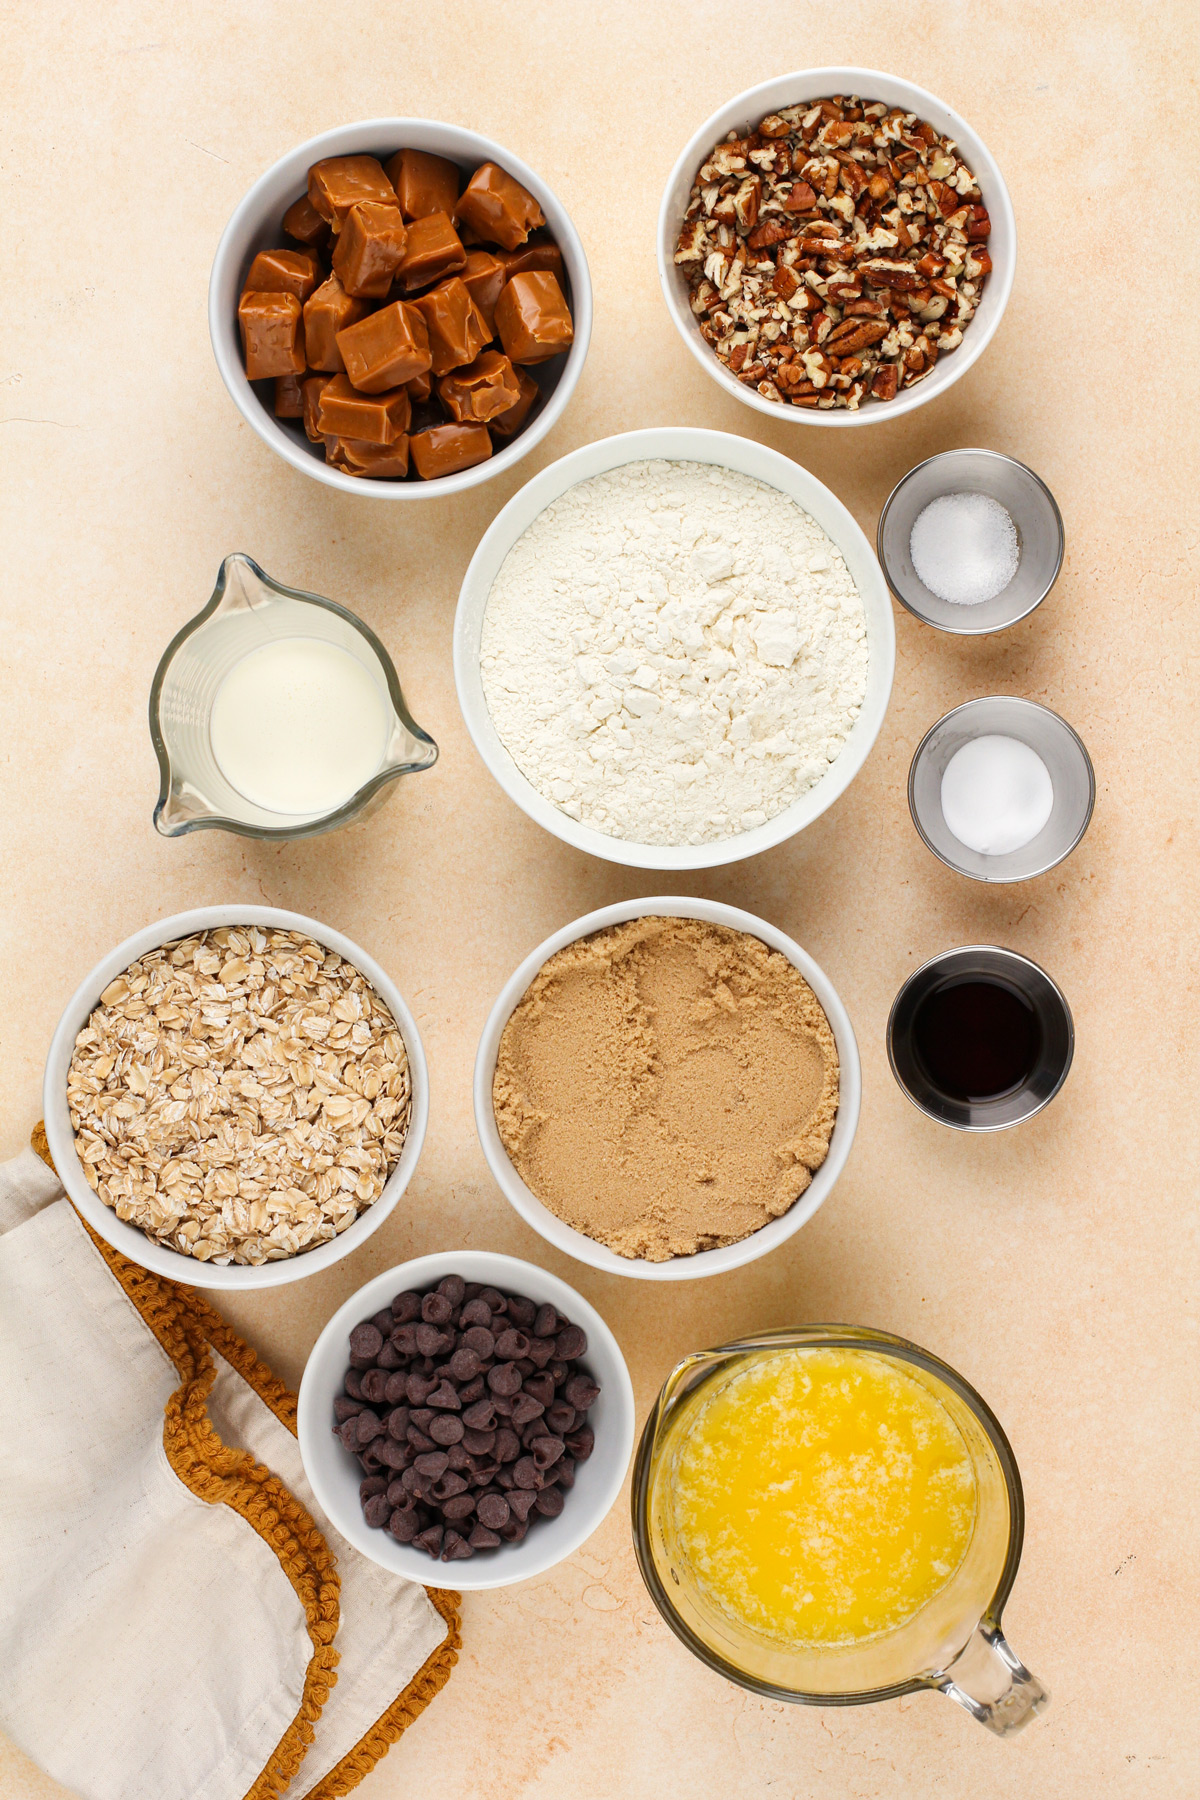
(674, 648)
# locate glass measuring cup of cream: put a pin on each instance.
(277, 714)
(831, 1515)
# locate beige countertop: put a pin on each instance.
(1055, 1266)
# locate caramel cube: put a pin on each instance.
(368, 250)
(532, 318)
(284, 272)
(445, 449)
(385, 349)
(312, 387)
(289, 397)
(424, 184)
(433, 250)
(369, 418)
(497, 208)
(483, 389)
(420, 386)
(507, 424)
(540, 252)
(303, 222)
(340, 182)
(327, 312)
(455, 325)
(378, 462)
(271, 340)
(485, 279)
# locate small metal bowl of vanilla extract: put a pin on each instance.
(980, 1038)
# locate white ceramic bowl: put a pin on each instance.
(704, 1262)
(256, 226)
(681, 444)
(742, 114)
(131, 1241)
(335, 1474)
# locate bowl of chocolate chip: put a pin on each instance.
(400, 307)
(836, 246)
(466, 1408)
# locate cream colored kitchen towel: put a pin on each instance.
(178, 1619)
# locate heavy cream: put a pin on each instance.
(299, 725)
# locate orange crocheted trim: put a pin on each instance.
(186, 1326)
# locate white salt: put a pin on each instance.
(964, 548)
(996, 795)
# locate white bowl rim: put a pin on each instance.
(704, 1262)
(129, 1239)
(223, 330)
(675, 443)
(866, 83)
(505, 1272)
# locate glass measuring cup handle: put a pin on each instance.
(992, 1683)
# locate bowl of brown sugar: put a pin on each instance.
(667, 1088)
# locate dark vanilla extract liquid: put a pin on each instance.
(976, 1039)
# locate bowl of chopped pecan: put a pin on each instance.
(235, 1097)
(836, 246)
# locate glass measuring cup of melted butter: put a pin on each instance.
(831, 1516)
(277, 714)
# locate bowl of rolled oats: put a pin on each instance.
(236, 1097)
(836, 246)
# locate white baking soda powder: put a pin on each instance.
(964, 548)
(996, 795)
(299, 725)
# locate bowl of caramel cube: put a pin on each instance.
(400, 307)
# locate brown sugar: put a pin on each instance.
(667, 1086)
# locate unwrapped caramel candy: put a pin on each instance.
(312, 387)
(385, 349)
(507, 424)
(380, 462)
(532, 318)
(540, 252)
(271, 339)
(424, 184)
(340, 182)
(456, 329)
(284, 272)
(484, 279)
(420, 386)
(483, 389)
(433, 250)
(445, 449)
(289, 396)
(370, 418)
(497, 208)
(327, 312)
(303, 222)
(368, 250)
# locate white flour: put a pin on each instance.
(673, 653)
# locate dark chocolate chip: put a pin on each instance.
(418, 1440)
(483, 1539)
(454, 1288)
(508, 1445)
(514, 1531)
(422, 1417)
(511, 1344)
(479, 1339)
(549, 1503)
(436, 1309)
(546, 1450)
(389, 1357)
(371, 1484)
(526, 1473)
(464, 1364)
(397, 1388)
(366, 1341)
(472, 1390)
(521, 1501)
(404, 1339)
(444, 1397)
(432, 1340)
(406, 1306)
(448, 1485)
(581, 1443)
(540, 1386)
(344, 1408)
(504, 1477)
(430, 1539)
(404, 1524)
(526, 1409)
(561, 1418)
(432, 1464)
(369, 1461)
(564, 1472)
(353, 1384)
(560, 1371)
(540, 1351)
(458, 1458)
(377, 1510)
(480, 1417)
(475, 1312)
(522, 1312)
(479, 1443)
(545, 1322)
(383, 1321)
(397, 1493)
(504, 1379)
(455, 1548)
(374, 1386)
(458, 1506)
(419, 1387)
(580, 1391)
(367, 1425)
(494, 1298)
(503, 1405)
(492, 1510)
(446, 1429)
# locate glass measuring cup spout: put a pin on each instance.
(953, 1644)
(247, 611)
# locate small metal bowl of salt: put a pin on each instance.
(971, 541)
(1001, 789)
